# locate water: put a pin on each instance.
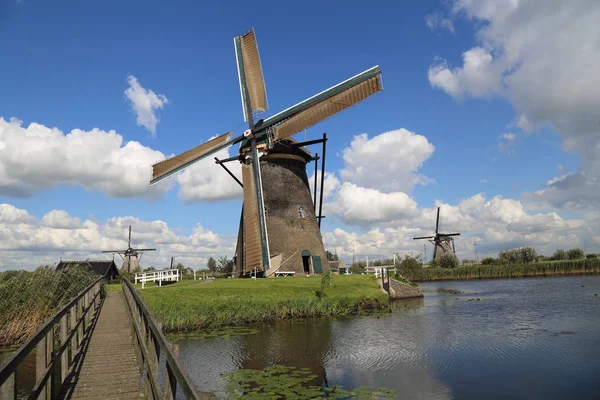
(536, 338)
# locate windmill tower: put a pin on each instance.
(278, 222)
(443, 243)
(131, 261)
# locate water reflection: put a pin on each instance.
(523, 339)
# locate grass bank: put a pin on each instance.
(544, 268)
(188, 306)
(29, 297)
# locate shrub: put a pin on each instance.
(559, 254)
(521, 255)
(575, 254)
(448, 261)
(488, 261)
(410, 265)
(591, 256)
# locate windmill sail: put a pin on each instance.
(325, 104)
(252, 83)
(253, 251)
(168, 167)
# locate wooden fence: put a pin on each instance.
(150, 345)
(54, 358)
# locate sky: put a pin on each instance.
(490, 110)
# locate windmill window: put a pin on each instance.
(301, 212)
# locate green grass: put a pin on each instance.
(543, 268)
(187, 306)
(113, 287)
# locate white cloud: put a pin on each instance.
(498, 223)
(207, 181)
(483, 180)
(360, 205)
(436, 20)
(479, 75)
(542, 57)
(331, 184)
(40, 158)
(27, 243)
(387, 162)
(559, 168)
(60, 219)
(10, 215)
(144, 102)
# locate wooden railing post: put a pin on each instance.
(42, 360)
(74, 345)
(8, 390)
(64, 358)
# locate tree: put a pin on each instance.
(225, 265)
(559, 254)
(527, 254)
(331, 256)
(448, 261)
(575, 254)
(212, 264)
(488, 261)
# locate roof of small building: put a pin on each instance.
(100, 267)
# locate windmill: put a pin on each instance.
(131, 261)
(443, 243)
(276, 192)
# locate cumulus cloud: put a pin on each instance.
(60, 219)
(540, 56)
(207, 181)
(436, 21)
(387, 162)
(359, 205)
(27, 243)
(38, 158)
(331, 184)
(496, 222)
(144, 103)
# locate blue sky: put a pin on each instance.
(66, 64)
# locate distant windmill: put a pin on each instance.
(131, 261)
(443, 243)
(275, 185)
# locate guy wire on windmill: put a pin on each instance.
(278, 226)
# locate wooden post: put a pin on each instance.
(74, 347)
(64, 358)
(80, 315)
(42, 358)
(8, 390)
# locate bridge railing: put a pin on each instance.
(54, 359)
(151, 345)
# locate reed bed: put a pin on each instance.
(27, 298)
(230, 302)
(544, 268)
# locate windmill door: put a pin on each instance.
(317, 266)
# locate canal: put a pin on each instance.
(533, 338)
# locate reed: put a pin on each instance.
(29, 297)
(544, 268)
(228, 302)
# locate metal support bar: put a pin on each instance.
(229, 172)
(308, 143)
(315, 186)
(322, 178)
(236, 158)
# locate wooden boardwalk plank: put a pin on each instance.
(109, 369)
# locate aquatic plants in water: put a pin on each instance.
(288, 382)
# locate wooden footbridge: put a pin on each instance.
(99, 346)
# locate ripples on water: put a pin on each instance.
(524, 339)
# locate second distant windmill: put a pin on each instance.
(131, 257)
(443, 243)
